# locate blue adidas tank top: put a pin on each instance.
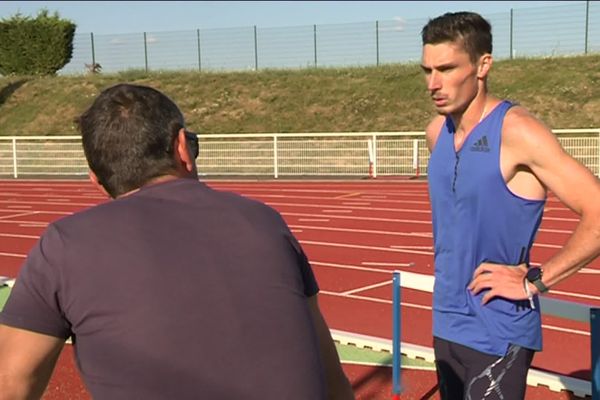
(476, 218)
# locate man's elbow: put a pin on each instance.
(14, 387)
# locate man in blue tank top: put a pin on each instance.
(491, 165)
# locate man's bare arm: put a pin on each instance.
(575, 186)
(28, 359)
(534, 146)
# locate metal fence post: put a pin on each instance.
(93, 51)
(377, 40)
(315, 42)
(374, 156)
(14, 154)
(199, 52)
(587, 26)
(275, 161)
(146, 51)
(255, 50)
(511, 34)
(595, 340)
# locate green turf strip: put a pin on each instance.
(355, 354)
(4, 291)
(347, 353)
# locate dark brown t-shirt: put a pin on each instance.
(176, 291)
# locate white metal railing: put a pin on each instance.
(343, 154)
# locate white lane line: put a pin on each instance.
(351, 217)
(61, 200)
(353, 267)
(343, 197)
(12, 221)
(19, 215)
(331, 206)
(34, 225)
(337, 211)
(14, 235)
(388, 264)
(565, 330)
(561, 219)
(18, 206)
(296, 230)
(556, 231)
(385, 271)
(355, 203)
(23, 196)
(373, 196)
(376, 300)
(347, 195)
(412, 247)
(572, 294)
(313, 220)
(428, 308)
(356, 246)
(45, 203)
(363, 288)
(13, 255)
(589, 271)
(391, 233)
(548, 246)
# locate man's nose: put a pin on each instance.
(433, 81)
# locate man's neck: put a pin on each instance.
(155, 181)
(465, 121)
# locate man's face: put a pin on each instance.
(450, 76)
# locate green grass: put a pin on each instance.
(4, 292)
(563, 92)
(353, 354)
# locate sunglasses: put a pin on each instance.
(192, 138)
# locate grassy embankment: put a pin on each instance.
(564, 92)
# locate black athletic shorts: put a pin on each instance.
(464, 373)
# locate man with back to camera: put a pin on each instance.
(172, 290)
(491, 166)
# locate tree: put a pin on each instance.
(35, 46)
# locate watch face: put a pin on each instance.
(533, 274)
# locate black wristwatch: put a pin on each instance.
(534, 275)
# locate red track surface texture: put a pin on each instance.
(355, 234)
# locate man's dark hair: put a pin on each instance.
(128, 134)
(471, 29)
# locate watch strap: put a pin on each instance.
(540, 285)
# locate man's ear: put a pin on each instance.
(97, 183)
(182, 152)
(485, 63)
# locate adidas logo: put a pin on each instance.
(481, 145)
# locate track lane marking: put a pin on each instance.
(356, 246)
(368, 287)
(19, 236)
(345, 196)
(13, 255)
(19, 215)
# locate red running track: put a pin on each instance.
(355, 234)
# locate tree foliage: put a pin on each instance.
(35, 46)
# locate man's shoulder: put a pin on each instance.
(433, 129)
(435, 125)
(246, 205)
(521, 125)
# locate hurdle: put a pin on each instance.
(550, 307)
